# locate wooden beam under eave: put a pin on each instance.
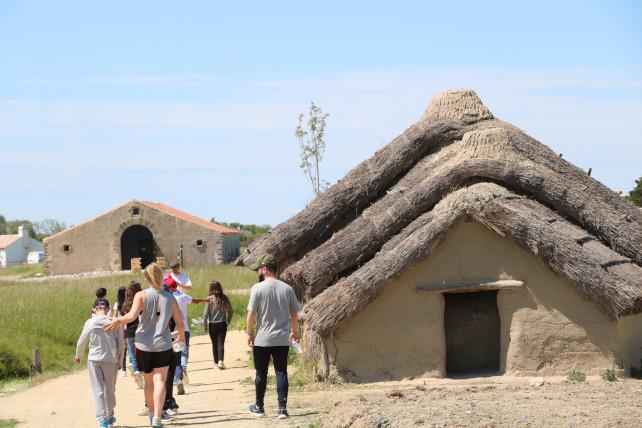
(471, 286)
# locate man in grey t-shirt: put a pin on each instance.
(275, 308)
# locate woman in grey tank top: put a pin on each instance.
(153, 338)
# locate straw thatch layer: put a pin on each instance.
(614, 286)
(392, 209)
(493, 154)
(448, 118)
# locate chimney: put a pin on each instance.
(21, 231)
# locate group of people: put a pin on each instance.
(152, 325)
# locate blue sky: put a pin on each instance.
(194, 104)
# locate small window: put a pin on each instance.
(66, 248)
(200, 243)
(135, 211)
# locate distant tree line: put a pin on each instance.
(37, 230)
(249, 232)
(635, 195)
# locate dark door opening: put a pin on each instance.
(137, 241)
(472, 333)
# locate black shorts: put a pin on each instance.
(148, 361)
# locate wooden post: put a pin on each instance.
(36, 365)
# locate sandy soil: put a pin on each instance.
(217, 398)
(493, 402)
(213, 397)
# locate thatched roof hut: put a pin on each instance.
(459, 163)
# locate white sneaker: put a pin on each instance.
(123, 373)
(138, 378)
(144, 412)
(221, 365)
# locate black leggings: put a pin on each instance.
(218, 331)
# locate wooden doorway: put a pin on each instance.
(137, 241)
(472, 333)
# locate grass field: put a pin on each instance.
(22, 270)
(50, 314)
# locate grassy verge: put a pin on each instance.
(300, 372)
(24, 271)
(8, 423)
(51, 313)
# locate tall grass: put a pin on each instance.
(50, 314)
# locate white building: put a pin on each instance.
(14, 248)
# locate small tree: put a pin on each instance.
(635, 195)
(48, 227)
(312, 144)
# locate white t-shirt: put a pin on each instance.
(182, 279)
(183, 300)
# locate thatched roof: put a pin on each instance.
(457, 161)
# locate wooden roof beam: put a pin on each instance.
(470, 286)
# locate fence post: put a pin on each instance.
(36, 366)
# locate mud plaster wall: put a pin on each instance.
(630, 341)
(546, 327)
(95, 245)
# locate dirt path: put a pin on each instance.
(214, 397)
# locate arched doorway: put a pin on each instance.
(136, 241)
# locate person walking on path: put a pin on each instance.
(130, 332)
(119, 310)
(275, 308)
(183, 299)
(105, 349)
(216, 318)
(153, 339)
(101, 293)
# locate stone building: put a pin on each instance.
(465, 247)
(139, 229)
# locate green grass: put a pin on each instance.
(24, 270)
(8, 423)
(300, 372)
(576, 377)
(50, 314)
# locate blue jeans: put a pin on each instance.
(181, 365)
(132, 354)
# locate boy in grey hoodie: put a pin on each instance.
(102, 362)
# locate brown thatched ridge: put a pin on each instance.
(597, 272)
(488, 154)
(425, 180)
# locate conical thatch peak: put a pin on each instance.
(461, 105)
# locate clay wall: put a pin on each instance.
(546, 326)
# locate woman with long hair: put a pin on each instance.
(216, 317)
(130, 332)
(153, 338)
